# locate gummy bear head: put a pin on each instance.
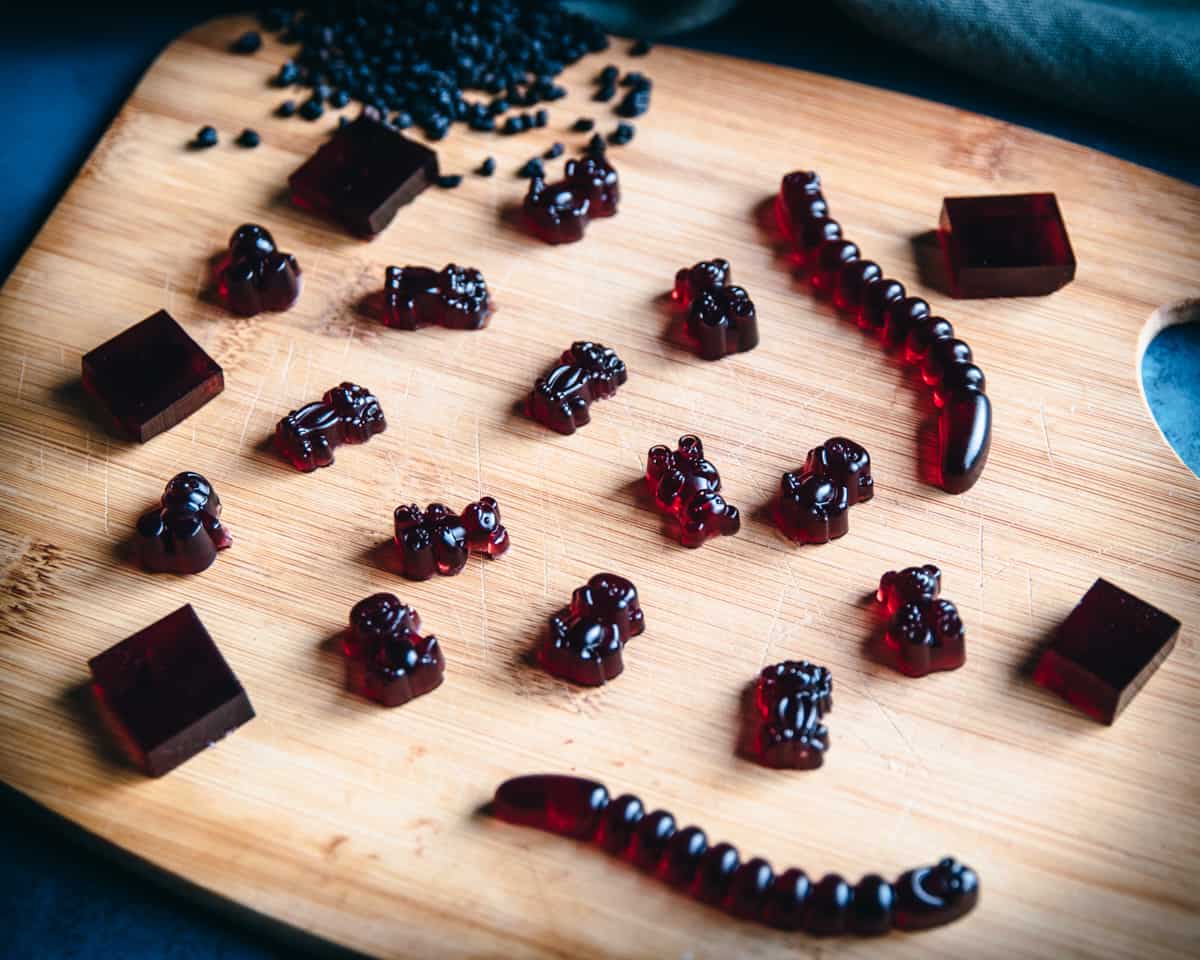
(251, 241)
(608, 596)
(381, 616)
(909, 585)
(596, 358)
(189, 492)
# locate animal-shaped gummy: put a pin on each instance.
(790, 699)
(347, 413)
(924, 633)
(720, 317)
(434, 540)
(814, 502)
(254, 276)
(585, 639)
(687, 486)
(559, 212)
(184, 533)
(387, 659)
(561, 396)
(454, 297)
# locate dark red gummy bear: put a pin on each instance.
(387, 660)
(814, 502)
(790, 699)
(454, 297)
(347, 413)
(720, 317)
(559, 212)
(687, 486)
(434, 540)
(184, 533)
(924, 633)
(150, 377)
(167, 693)
(561, 396)
(582, 809)
(1005, 246)
(254, 276)
(1106, 650)
(364, 173)
(585, 639)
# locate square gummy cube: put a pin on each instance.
(1005, 246)
(363, 175)
(151, 376)
(167, 692)
(1106, 650)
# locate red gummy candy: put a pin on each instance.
(720, 317)
(814, 502)
(585, 639)
(167, 693)
(561, 396)
(435, 540)
(559, 212)
(387, 660)
(184, 533)
(924, 633)
(688, 487)
(790, 699)
(454, 297)
(1106, 650)
(254, 276)
(574, 807)
(347, 413)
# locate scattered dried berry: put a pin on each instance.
(639, 48)
(205, 137)
(339, 98)
(249, 138)
(488, 167)
(622, 134)
(583, 125)
(634, 103)
(286, 109)
(288, 74)
(555, 151)
(541, 118)
(248, 42)
(608, 76)
(604, 93)
(532, 168)
(312, 109)
(449, 181)
(636, 81)
(595, 146)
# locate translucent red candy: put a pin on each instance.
(347, 413)
(364, 174)
(184, 533)
(924, 633)
(1005, 246)
(858, 287)
(688, 487)
(150, 377)
(1106, 650)
(790, 699)
(434, 540)
(454, 297)
(254, 276)
(585, 639)
(387, 660)
(814, 502)
(559, 212)
(167, 693)
(720, 317)
(575, 807)
(561, 396)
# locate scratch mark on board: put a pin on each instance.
(1045, 432)
(771, 629)
(21, 379)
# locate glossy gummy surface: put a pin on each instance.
(687, 486)
(454, 297)
(387, 660)
(562, 395)
(559, 212)
(347, 413)
(167, 693)
(576, 807)
(150, 377)
(924, 633)
(363, 175)
(184, 533)
(1014, 245)
(585, 639)
(434, 540)
(254, 276)
(1106, 650)
(720, 317)
(790, 699)
(814, 501)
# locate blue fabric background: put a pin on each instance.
(64, 74)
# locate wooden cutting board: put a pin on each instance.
(360, 824)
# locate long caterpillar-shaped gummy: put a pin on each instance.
(858, 286)
(574, 807)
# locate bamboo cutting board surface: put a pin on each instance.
(361, 824)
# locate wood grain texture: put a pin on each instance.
(360, 824)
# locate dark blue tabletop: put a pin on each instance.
(64, 75)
